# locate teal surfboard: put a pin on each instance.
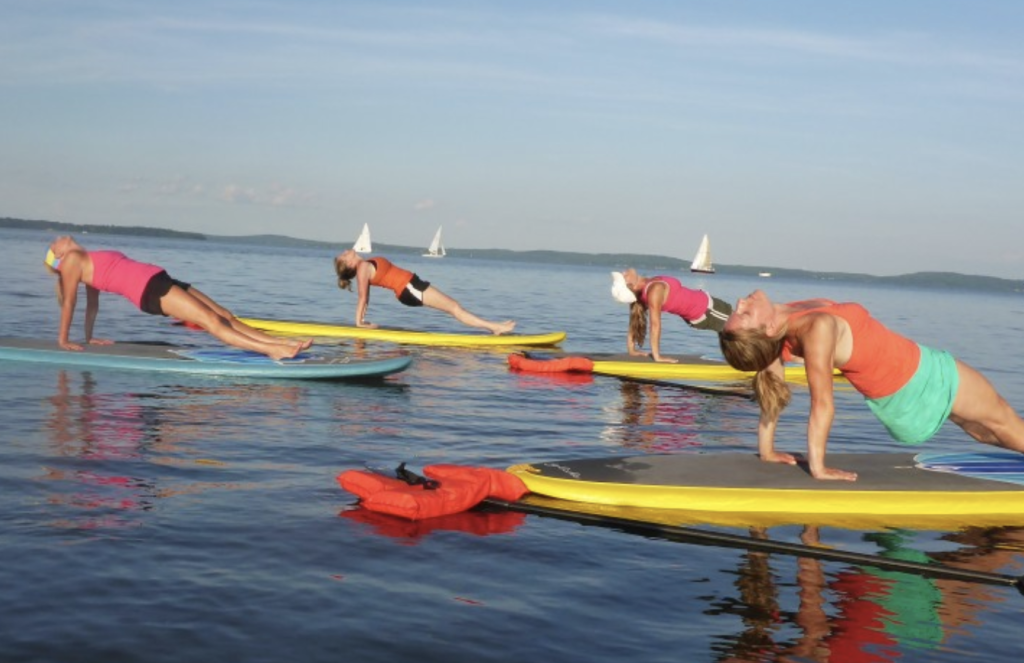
(229, 362)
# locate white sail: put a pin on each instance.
(363, 244)
(702, 261)
(436, 248)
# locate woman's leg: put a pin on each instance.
(983, 413)
(243, 328)
(185, 306)
(434, 298)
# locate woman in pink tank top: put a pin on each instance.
(658, 295)
(911, 388)
(151, 289)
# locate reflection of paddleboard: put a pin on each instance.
(472, 339)
(888, 483)
(688, 367)
(217, 361)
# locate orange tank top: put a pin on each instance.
(389, 275)
(881, 362)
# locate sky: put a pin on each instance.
(873, 137)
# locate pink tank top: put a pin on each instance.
(113, 271)
(685, 302)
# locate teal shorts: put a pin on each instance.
(917, 411)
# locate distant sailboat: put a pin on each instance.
(702, 261)
(436, 249)
(363, 244)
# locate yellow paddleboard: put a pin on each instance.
(691, 371)
(686, 367)
(888, 484)
(470, 339)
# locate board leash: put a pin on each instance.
(712, 538)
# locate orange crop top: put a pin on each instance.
(881, 362)
(389, 275)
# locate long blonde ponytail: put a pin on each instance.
(57, 286)
(754, 350)
(638, 322)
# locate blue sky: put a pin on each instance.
(877, 137)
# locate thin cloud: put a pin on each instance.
(893, 47)
(276, 195)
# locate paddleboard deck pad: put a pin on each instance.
(687, 367)
(407, 336)
(900, 484)
(215, 361)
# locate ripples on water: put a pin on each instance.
(160, 518)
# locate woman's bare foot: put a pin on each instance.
(278, 352)
(500, 328)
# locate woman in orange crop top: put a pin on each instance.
(911, 388)
(150, 289)
(408, 288)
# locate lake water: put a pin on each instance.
(152, 517)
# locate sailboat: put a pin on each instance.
(363, 244)
(702, 261)
(436, 248)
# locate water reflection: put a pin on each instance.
(412, 532)
(804, 609)
(110, 453)
(659, 419)
(860, 613)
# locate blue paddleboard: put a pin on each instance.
(1005, 466)
(229, 362)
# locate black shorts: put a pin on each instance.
(157, 287)
(412, 295)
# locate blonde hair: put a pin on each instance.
(755, 350)
(56, 285)
(638, 322)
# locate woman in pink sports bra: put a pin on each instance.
(151, 289)
(663, 294)
(911, 388)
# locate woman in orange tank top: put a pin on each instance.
(408, 288)
(911, 388)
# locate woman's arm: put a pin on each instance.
(92, 309)
(363, 275)
(818, 335)
(656, 295)
(70, 277)
(766, 426)
(631, 344)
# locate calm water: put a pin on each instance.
(168, 518)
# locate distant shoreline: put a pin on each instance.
(930, 280)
